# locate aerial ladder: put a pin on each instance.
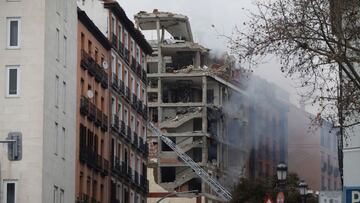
(214, 184)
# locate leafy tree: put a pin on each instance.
(316, 42)
(255, 191)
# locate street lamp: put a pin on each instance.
(281, 172)
(303, 190)
(175, 193)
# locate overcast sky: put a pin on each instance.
(224, 14)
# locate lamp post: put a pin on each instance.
(281, 173)
(175, 193)
(303, 190)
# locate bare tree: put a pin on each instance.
(316, 42)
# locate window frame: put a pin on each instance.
(8, 68)
(8, 22)
(5, 185)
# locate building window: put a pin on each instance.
(144, 95)
(61, 196)
(13, 33)
(113, 23)
(63, 143)
(10, 191)
(119, 71)
(126, 116)
(138, 90)
(120, 34)
(126, 77)
(58, 6)
(120, 110)
(65, 51)
(55, 195)
(56, 91)
(57, 44)
(113, 110)
(56, 138)
(65, 10)
(64, 97)
(13, 81)
(126, 40)
(137, 54)
(113, 68)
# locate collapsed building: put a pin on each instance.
(185, 99)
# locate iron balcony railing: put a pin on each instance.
(93, 113)
(86, 60)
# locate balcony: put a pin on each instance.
(134, 101)
(105, 168)
(94, 69)
(122, 87)
(127, 94)
(121, 48)
(105, 125)
(86, 60)
(113, 40)
(93, 159)
(143, 76)
(124, 168)
(122, 129)
(136, 179)
(98, 118)
(114, 82)
(133, 64)
(138, 70)
(139, 107)
(144, 112)
(84, 106)
(115, 123)
(128, 134)
(135, 140)
(93, 114)
(128, 174)
(127, 55)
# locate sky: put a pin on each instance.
(225, 15)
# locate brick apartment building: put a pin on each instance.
(110, 47)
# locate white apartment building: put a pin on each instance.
(38, 99)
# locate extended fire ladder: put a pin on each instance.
(214, 184)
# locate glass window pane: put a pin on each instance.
(12, 81)
(10, 193)
(14, 33)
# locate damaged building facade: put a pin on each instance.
(185, 99)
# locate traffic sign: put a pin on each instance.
(280, 197)
(268, 200)
(351, 194)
